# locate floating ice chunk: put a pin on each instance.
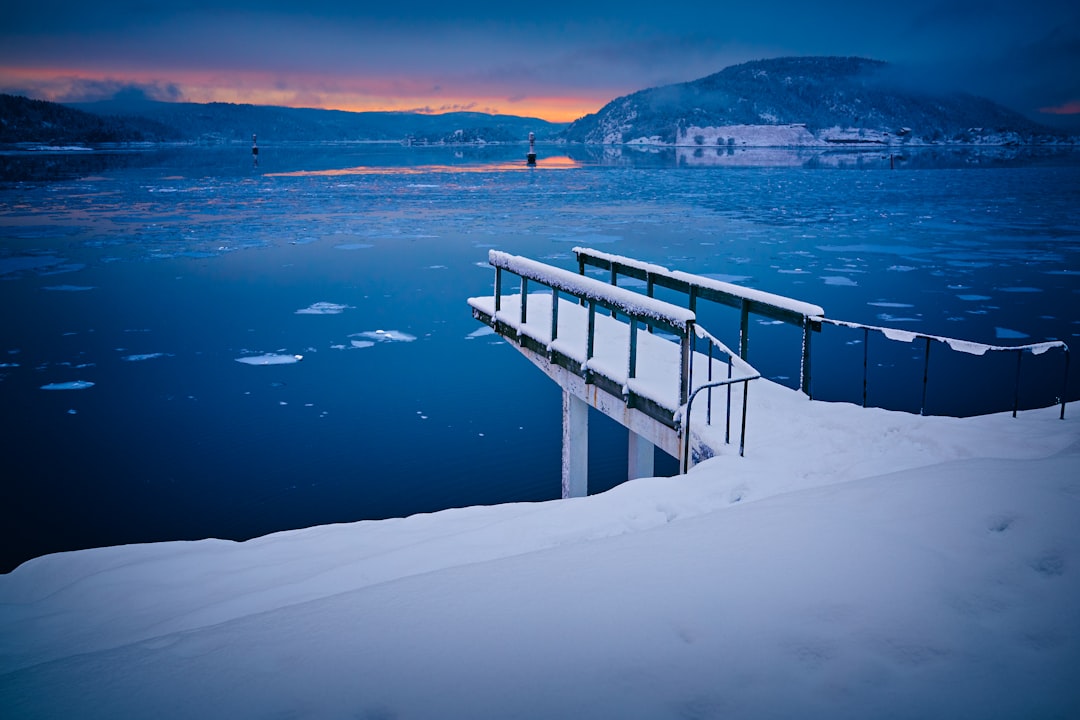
(901, 268)
(972, 298)
(386, 336)
(323, 308)
(839, 280)
(73, 385)
(270, 359)
(1007, 334)
(722, 277)
(68, 288)
(362, 343)
(891, 304)
(9, 365)
(145, 356)
(486, 330)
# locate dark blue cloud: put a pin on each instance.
(1025, 56)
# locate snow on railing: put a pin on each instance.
(610, 297)
(796, 312)
(639, 309)
(964, 346)
(747, 300)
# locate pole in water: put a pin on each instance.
(530, 159)
(254, 151)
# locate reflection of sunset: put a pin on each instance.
(552, 163)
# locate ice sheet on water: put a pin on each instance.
(839, 281)
(270, 359)
(68, 288)
(19, 263)
(385, 336)
(874, 248)
(145, 356)
(323, 308)
(73, 385)
(1002, 333)
(360, 344)
(588, 239)
(973, 298)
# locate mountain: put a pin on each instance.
(37, 121)
(228, 122)
(131, 117)
(804, 101)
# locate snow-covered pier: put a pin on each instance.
(641, 363)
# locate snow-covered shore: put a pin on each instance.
(856, 563)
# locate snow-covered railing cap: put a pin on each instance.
(964, 346)
(607, 296)
(770, 304)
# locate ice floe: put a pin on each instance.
(145, 356)
(1002, 333)
(480, 332)
(73, 385)
(385, 336)
(270, 359)
(839, 281)
(361, 344)
(324, 308)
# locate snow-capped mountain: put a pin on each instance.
(805, 101)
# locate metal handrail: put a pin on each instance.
(747, 300)
(732, 360)
(958, 345)
(594, 293)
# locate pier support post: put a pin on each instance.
(575, 446)
(642, 457)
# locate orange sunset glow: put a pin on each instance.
(348, 93)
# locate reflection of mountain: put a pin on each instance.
(924, 157)
(809, 101)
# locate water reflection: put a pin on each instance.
(548, 163)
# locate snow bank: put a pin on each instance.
(857, 563)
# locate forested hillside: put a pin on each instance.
(37, 121)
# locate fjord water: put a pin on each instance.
(151, 273)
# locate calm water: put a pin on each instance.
(151, 273)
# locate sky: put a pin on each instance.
(557, 60)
